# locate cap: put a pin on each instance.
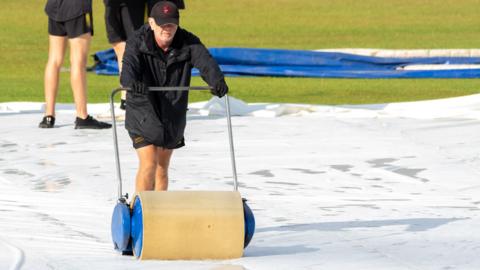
(165, 12)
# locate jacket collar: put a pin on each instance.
(148, 45)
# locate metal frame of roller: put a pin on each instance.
(181, 224)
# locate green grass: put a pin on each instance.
(314, 24)
(289, 24)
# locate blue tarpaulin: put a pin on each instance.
(106, 62)
(298, 63)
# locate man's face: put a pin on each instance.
(164, 32)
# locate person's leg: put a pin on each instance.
(56, 53)
(161, 173)
(145, 179)
(79, 47)
(119, 48)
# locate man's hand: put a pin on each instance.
(220, 89)
(139, 88)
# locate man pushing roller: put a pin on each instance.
(162, 54)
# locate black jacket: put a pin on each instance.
(64, 10)
(160, 117)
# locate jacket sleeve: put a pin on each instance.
(132, 68)
(204, 62)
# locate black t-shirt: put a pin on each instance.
(64, 10)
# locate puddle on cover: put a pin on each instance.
(264, 173)
(51, 183)
(7, 145)
(17, 172)
(306, 171)
(283, 183)
(384, 163)
(342, 167)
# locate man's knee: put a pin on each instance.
(147, 168)
(78, 66)
(163, 158)
(163, 165)
(55, 62)
(78, 59)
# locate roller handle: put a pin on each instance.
(122, 197)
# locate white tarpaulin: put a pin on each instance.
(385, 186)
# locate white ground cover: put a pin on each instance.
(384, 186)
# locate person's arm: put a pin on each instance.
(205, 63)
(132, 68)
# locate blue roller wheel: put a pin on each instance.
(249, 223)
(121, 227)
(137, 228)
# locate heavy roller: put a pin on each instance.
(181, 225)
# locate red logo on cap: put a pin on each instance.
(166, 9)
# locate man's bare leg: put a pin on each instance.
(161, 173)
(56, 54)
(145, 179)
(79, 47)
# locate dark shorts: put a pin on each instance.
(122, 20)
(72, 28)
(139, 142)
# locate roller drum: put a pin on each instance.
(188, 225)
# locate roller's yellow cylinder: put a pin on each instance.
(183, 225)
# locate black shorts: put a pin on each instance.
(122, 20)
(139, 142)
(72, 28)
